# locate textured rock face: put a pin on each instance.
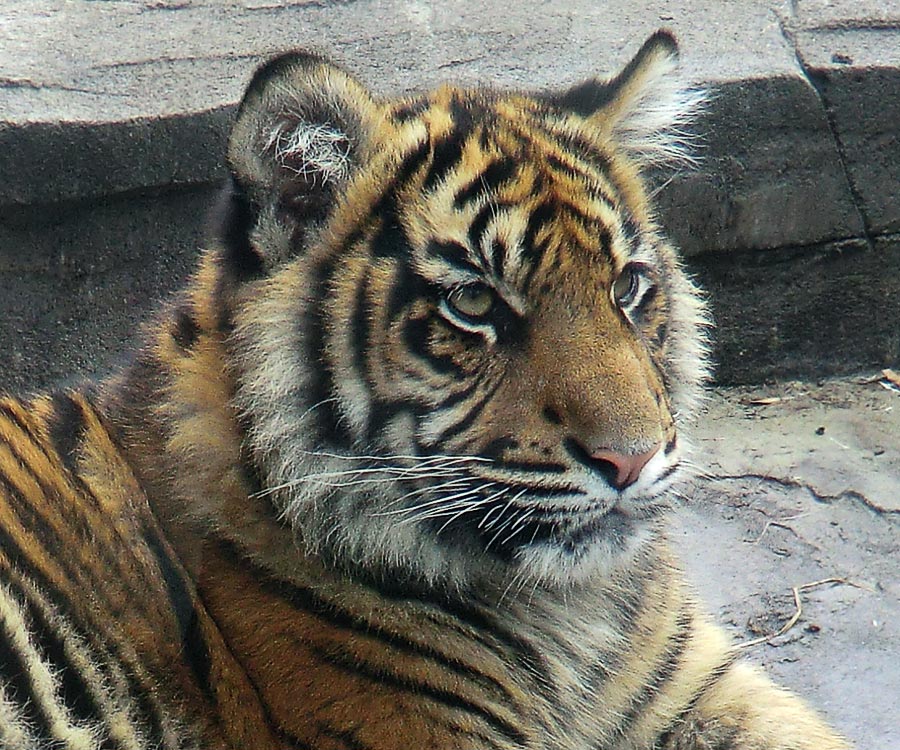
(114, 117)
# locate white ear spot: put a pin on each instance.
(313, 151)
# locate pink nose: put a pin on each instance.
(620, 469)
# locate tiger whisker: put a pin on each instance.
(467, 509)
(448, 504)
(443, 510)
(317, 477)
(431, 458)
(419, 491)
(439, 506)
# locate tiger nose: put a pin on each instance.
(621, 470)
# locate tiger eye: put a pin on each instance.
(472, 300)
(625, 287)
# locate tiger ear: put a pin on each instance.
(646, 108)
(301, 129)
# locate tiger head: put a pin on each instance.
(463, 348)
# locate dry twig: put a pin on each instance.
(798, 613)
(781, 523)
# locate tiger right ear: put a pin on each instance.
(646, 109)
(302, 127)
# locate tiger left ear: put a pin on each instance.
(645, 108)
(303, 126)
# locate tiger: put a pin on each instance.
(392, 471)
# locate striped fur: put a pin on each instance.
(391, 471)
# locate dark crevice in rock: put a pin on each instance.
(817, 495)
(817, 80)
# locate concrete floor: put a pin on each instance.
(802, 490)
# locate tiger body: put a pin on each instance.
(392, 471)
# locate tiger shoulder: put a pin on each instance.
(392, 470)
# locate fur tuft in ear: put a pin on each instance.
(646, 109)
(301, 128)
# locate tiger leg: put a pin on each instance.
(744, 710)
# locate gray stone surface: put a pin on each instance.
(129, 79)
(804, 312)
(858, 75)
(109, 106)
(76, 281)
(802, 484)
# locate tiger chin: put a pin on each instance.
(392, 470)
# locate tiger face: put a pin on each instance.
(463, 348)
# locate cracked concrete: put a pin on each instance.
(815, 83)
(800, 484)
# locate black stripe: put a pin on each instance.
(542, 215)
(410, 110)
(473, 414)
(386, 203)
(237, 219)
(142, 698)
(147, 709)
(568, 169)
(445, 155)
(583, 148)
(185, 330)
(576, 213)
(477, 623)
(33, 521)
(359, 326)
(16, 678)
(461, 395)
(39, 444)
(666, 668)
(444, 697)
(194, 647)
(498, 446)
(498, 255)
(676, 725)
(74, 520)
(406, 286)
(10, 414)
(416, 333)
(66, 428)
(77, 693)
(468, 735)
(313, 602)
(485, 183)
(454, 254)
(326, 417)
(390, 240)
(669, 471)
(285, 737)
(383, 412)
(480, 221)
(348, 738)
(447, 151)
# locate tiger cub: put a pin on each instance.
(391, 472)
